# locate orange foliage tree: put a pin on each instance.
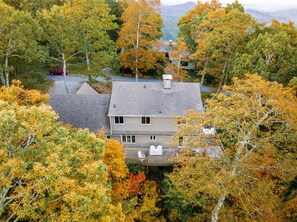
(131, 192)
(141, 28)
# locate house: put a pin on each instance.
(183, 59)
(168, 48)
(141, 115)
(165, 47)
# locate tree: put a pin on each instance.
(220, 37)
(193, 18)
(141, 28)
(116, 9)
(256, 127)
(137, 196)
(94, 21)
(33, 6)
(179, 55)
(62, 35)
(293, 83)
(19, 38)
(270, 53)
(49, 172)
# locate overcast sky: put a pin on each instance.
(260, 4)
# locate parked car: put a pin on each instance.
(58, 71)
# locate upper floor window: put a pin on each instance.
(119, 120)
(145, 120)
(128, 139)
(152, 138)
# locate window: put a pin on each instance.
(152, 138)
(180, 141)
(145, 120)
(181, 121)
(128, 139)
(119, 120)
(184, 63)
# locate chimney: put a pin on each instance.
(170, 42)
(167, 81)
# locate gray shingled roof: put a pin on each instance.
(151, 99)
(82, 111)
(86, 89)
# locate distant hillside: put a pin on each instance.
(176, 11)
(172, 13)
(282, 16)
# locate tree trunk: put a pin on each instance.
(64, 73)
(2, 78)
(205, 65)
(202, 79)
(6, 71)
(137, 47)
(228, 69)
(88, 60)
(222, 79)
(215, 212)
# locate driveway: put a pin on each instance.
(74, 82)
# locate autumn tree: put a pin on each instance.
(256, 123)
(141, 28)
(219, 38)
(94, 22)
(131, 191)
(192, 19)
(33, 6)
(178, 55)
(19, 38)
(49, 172)
(271, 53)
(62, 35)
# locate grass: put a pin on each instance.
(34, 77)
(76, 68)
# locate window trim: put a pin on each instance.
(147, 124)
(152, 137)
(119, 121)
(126, 139)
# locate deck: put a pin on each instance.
(149, 160)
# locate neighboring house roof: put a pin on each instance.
(165, 46)
(82, 111)
(174, 56)
(86, 89)
(151, 99)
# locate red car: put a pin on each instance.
(58, 71)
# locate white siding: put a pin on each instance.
(158, 124)
(144, 141)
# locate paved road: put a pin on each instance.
(74, 82)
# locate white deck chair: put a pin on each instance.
(152, 150)
(141, 156)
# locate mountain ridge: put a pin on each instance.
(172, 13)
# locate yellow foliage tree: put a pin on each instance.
(49, 172)
(256, 123)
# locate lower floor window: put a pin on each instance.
(128, 139)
